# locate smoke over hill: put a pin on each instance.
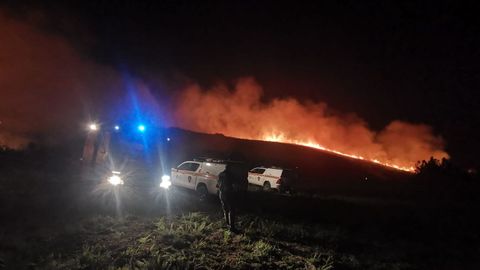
(48, 90)
(240, 112)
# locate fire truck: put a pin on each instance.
(127, 154)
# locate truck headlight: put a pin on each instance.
(115, 180)
(166, 183)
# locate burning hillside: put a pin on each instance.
(45, 88)
(241, 113)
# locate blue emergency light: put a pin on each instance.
(141, 128)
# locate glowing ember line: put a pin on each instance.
(237, 113)
(282, 139)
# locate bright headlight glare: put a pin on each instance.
(166, 183)
(115, 180)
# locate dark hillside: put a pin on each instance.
(319, 170)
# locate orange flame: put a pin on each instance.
(281, 138)
(241, 113)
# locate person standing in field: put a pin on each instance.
(228, 196)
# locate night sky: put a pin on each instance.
(383, 60)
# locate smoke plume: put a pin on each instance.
(43, 84)
(240, 112)
(48, 90)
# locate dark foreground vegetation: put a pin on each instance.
(54, 215)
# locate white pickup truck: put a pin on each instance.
(272, 178)
(201, 176)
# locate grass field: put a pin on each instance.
(52, 217)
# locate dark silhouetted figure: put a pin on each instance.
(228, 196)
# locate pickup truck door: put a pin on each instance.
(186, 174)
(255, 176)
(191, 178)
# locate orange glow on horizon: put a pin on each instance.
(282, 139)
(242, 113)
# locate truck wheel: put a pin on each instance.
(202, 192)
(266, 186)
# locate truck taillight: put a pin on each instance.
(279, 181)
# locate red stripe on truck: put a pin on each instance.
(265, 175)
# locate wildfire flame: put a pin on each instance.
(238, 112)
(282, 139)
(241, 113)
